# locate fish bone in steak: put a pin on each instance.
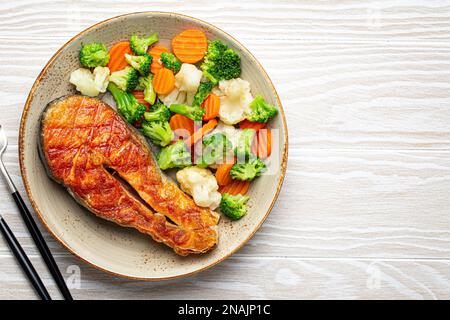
(87, 147)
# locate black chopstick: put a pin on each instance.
(42, 245)
(25, 263)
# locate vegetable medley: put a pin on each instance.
(192, 104)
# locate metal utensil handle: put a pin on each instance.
(42, 246)
(25, 263)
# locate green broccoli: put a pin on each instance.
(244, 144)
(192, 112)
(215, 149)
(140, 45)
(234, 207)
(158, 131)
(140, 63)
(203, 91)
(146, 84)
(126, 79)
(93, 55)
(127, 104)
(248, 171)
(158, 112)
(221, 62)
(261, 111)
(174, 156)
(170, 62)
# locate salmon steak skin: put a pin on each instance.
(109, 168)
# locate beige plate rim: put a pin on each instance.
(23, 169)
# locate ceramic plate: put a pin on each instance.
(102, 244)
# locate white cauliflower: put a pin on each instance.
(88, 83)
(234, 100)
(201, 185)
(175, 96)
(101, 78)
(188, 78)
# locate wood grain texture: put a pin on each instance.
(364, 209)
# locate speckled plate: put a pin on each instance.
(104, 245)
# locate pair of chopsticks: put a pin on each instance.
(35, 233)
(25, 263)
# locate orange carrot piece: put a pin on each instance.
(117, 56)
(182, 126)
(207, 127)
(164, 81)
(139, 95)
(155, 52)
(235, 187)
(211, 106)
(262, 143)
(190, 45)
(245, 124)
(223, 176)
(254, 147)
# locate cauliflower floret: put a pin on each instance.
(175, 96)
(234, 101)
(201, 185)
(101, 78)
(83, 79)
(188, 78)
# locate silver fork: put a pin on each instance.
(31, 224)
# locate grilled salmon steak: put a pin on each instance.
(108, 167)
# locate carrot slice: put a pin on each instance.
(262, 143)
(139, 95)
(182, 126)
(245, 124)
(207, 127)
(235, 187)
(211, 106)
(164, 81)
(190, 45)
(155, 52)
(223, 176)
(117, 56)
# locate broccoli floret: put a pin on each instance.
(203, 91)
(261, 111)
(93, 55)
(140, 45)
(244, 144)
(126, 79)
(158, 131)
(233, 206)
(146, 84)
(170, 62)
(192, 112)
(158, 112)
(174, 156)
(215, 149)
(140, 63)
(127, 104)
(221, 62)
(248, 171)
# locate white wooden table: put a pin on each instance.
(365, 208)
